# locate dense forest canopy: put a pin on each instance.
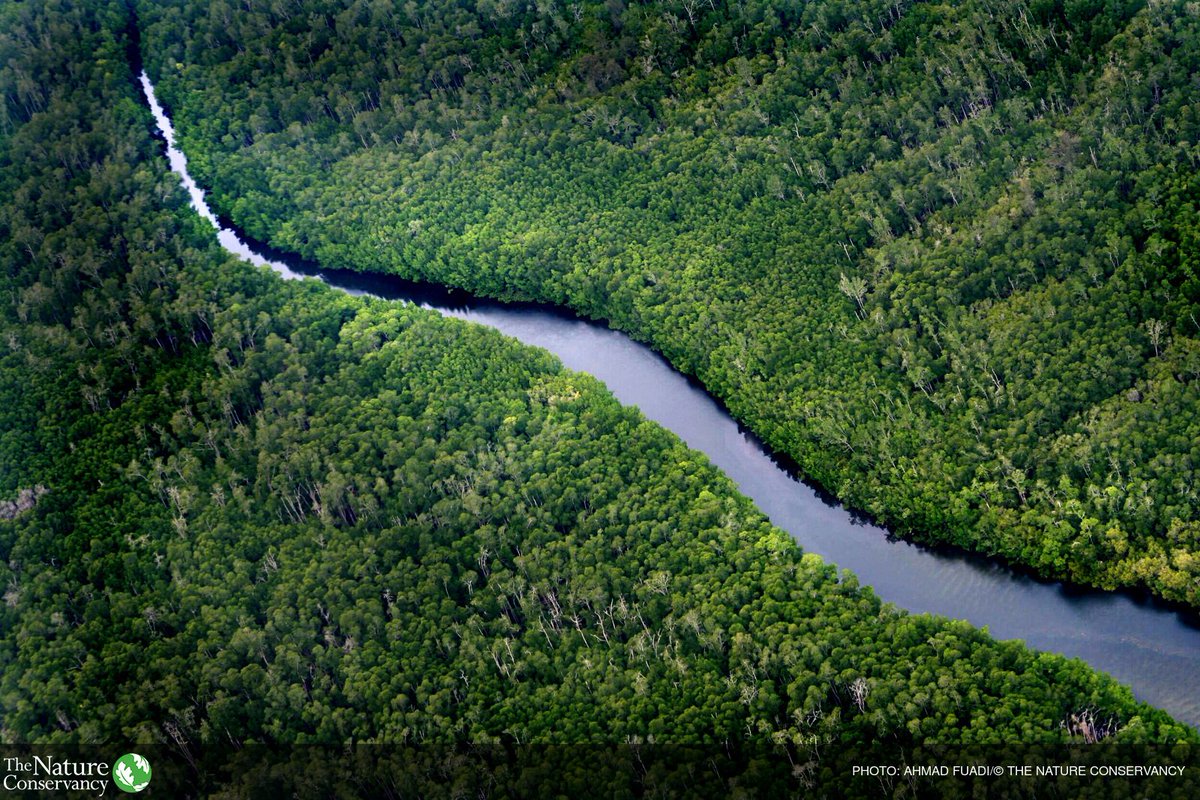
(944, 255)
(268, 512)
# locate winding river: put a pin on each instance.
(1143, 643)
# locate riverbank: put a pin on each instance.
(1146, 644)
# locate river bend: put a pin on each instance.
(1143, 643)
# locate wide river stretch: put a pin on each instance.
(1143, 643)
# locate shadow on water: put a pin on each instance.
(391, 287)
(1146, 643)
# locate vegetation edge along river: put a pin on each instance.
(968, 304)
(244, 510)
(1150, 646)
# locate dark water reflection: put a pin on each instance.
(1142, 642)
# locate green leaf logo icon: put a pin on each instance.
(131, 773)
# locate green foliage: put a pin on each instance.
(943, 255)
(275, 513)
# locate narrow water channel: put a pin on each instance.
(1143, 643)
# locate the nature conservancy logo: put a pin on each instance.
(131, 772)
(55, 774)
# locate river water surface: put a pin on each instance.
(1143, 643)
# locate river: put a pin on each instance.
(1143, 643)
